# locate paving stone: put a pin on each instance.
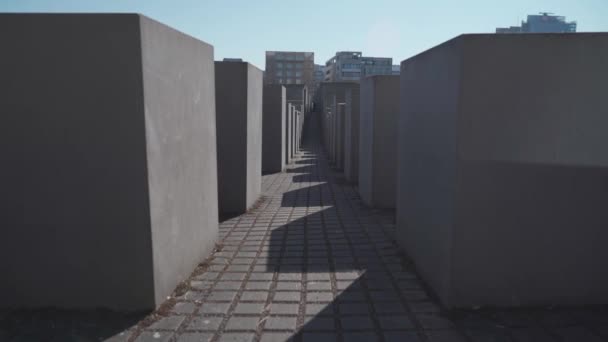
(242, 323)
(354, 308)
(445, 336)
(222, 296)
(261, 276)
(228, 285)
(183, 308)
(276, 337)
(257, 285)
(280, 323)
(255, 296)
(402, 337)
(279, 308)
(157, 336)
(195, 337)
(356, 323)
(319, 323)
(319, 309)
(287, 296)
(360, 337)
(167, 323)
(201, 285)
(318, 286)
(319, 297)
(389, 308)
(205, 323)
(233, 276)
(319, 337)
(214, 308)
(249, 308)
(237, 337)
(395, 322)
(289, 286)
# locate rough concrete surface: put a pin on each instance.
(108, 140)
(502, 169)
(239, 135)
(378, 140)
(273, 143)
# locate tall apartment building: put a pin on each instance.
(352, 66)
(541, 23)
(286, 67)
(319, 75)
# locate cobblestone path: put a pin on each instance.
(312, 263)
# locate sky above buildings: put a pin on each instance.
(383, 28)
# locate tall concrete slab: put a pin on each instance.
(378, 140)
(238, 92)
(340, 135)
(288, 133)
(351, 134)
(273, 126)
(502, 169)
(109, 160)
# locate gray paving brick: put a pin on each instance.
(249, 308)
(319, 337)
(279, 308)
(356, 323)
(167, 323)
(242, 323)
(287, 296)
(276, 337)
(205, 323)
(214, 308)
(280, 323)
(222, 296)
(237, 337)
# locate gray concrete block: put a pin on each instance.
(273, 126)
(340, 135)
(378, 140)
(334, 93)
(108, 143)
(288, 133)
(239, 90)
(502, 169)
(351, 134)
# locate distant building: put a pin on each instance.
(352, 65)
(233, 60)
(319, 75)
(285, 67)
(396, 69)
(541, 23)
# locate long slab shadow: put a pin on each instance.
(65, 325)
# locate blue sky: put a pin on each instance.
(392, 28)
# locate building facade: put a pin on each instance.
(319, 75)
(351, 66)
(284, 67)
(541, 23)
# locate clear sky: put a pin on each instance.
(383, 28)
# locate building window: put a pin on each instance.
(279, 72)
(279, 80)
(289, 66)
(279, 65)
(298, 74)
(288, 81)
(299, 65)
(298, 81)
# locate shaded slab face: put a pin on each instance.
(378, 140)
(119, 172)
(239, 135)
(273, 143)
(501, 170)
